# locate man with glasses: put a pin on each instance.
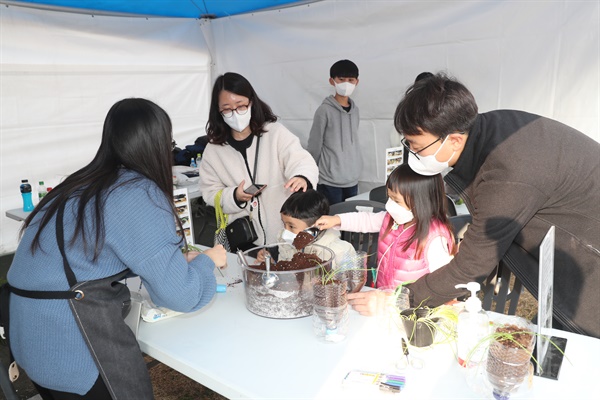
(519, 174)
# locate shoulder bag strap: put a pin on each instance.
(220, 215)
(253, 177)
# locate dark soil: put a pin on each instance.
(302, 240)
(298, 262)
(516, 337)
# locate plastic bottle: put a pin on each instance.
(41, 190)
(473, 326)
(26, 194)
(198, 159)
(193, 163)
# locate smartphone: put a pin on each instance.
(255, 190)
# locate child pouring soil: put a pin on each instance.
(299, 212)
(415, 236)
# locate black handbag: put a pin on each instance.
(241, 234)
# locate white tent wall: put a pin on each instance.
(536, 56)
(61, 72)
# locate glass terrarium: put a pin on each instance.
(286, 291)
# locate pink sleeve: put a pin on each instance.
(361, 221)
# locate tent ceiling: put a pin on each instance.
(160, 8)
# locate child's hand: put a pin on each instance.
(260, 257)
(366, 303)
(328, 221)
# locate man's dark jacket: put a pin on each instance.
(520, 174)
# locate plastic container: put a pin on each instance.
(292, 294)
(472, 327)
(26, 194)
(41, 190)
(193, 163)
(509, 364)
(419, 329)
(354, 271)
(330, 324)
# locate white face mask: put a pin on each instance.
(344, 88)
(239, 122)
(288, 236)
(400, 214)
(428, 165)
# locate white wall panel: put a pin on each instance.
(60, 74)
(537, 56)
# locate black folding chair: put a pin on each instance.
(498, 294)
(379, 194)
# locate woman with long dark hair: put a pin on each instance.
(112, 218)
(247, 146)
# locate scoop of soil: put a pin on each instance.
(298, 262)
(302, 240)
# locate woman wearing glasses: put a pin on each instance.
(248, 147)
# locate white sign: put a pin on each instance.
(545, 294)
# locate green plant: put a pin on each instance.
(440, 319)
(190, 247)
(512, 336)
(329, 274)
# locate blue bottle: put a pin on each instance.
(26, 194)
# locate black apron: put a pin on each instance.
(99, 307)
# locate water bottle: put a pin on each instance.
(26, 194)
(41, 190)
(193, 163)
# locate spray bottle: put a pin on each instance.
(473, 325)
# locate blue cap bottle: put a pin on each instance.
(26, 194)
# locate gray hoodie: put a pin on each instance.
(333, 142)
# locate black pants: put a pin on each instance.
(97, 392)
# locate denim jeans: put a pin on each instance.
(337, 194)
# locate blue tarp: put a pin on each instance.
(164, 8)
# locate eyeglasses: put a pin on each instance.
(241, 110)
(415, 153)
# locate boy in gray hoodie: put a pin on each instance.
(333, 140)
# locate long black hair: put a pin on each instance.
(425, 196)
(137, 135)
(216, 128)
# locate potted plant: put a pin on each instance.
(330, 305)
(509, 354)
(423, 324)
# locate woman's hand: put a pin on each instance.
(240, 195)
(328, 221)
(190, 255)
(218, 255)
(297, 183)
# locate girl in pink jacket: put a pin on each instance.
(415, 236)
